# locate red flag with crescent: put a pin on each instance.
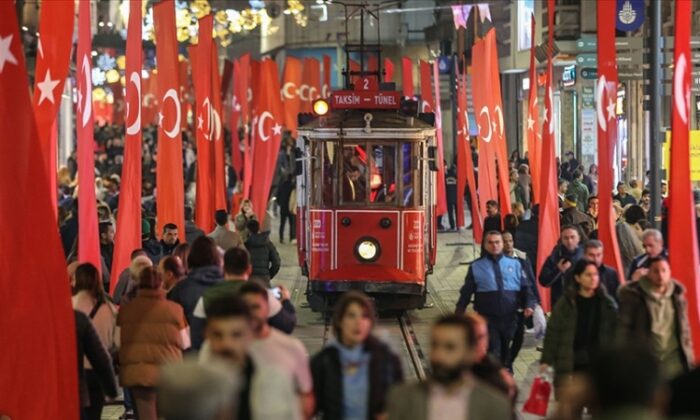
(310, 88)
(682, 232)
(52, 59)
(427, 104)
(248, 147)
(326, 88)
(169, 177)
(534, 140)
(407, 77)
(128, 232)
(201, 72)
(291, 83)
(38, 360)
(268, 136)
(441, 190)
(236, 156)
(388, 70)
(149, 100)
(88, 235)
(217, 133)
(119, 106)
(548, 229)
(606, 101)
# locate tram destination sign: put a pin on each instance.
(365, 99)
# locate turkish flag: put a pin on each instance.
(201, 72)
(425, 92)
(236, 156)
(128, 232)
(169, 173)
(310, 88)
(465, 164)
(326, 88)
(52, 60)
(268, 136)
(388, 70)
(548, 234)
(607, 134)
(88, 235)
(682, 247)
(441, 194)
(218, 134)
(291, 82)
(248, 146)
(184, 91)
(407, 77)
(118, 107)
(149, 100)
(534, 139)
(37, 327)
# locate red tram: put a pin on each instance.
(366, 198)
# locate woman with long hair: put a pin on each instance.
(354, 372)
(90, 298)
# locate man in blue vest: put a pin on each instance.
(500, 287)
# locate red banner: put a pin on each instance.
(88, 235)
(236, 156)
(128, 232)
(534, 139)
(354, 66)
(52, 59)
(326, 88)
(253, 74)
(441, 194)
(268, 136)
(149, 100)
(548, 234)
(37, 326)
(185, 92)
(291, 83)
(310, 88)
(407, 77)
(682, 232)
(388, 70)
(118, 107)
(426, 94)
(169, 176)
(217, 134)
(201, 73)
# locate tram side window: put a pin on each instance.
(411, 178)
(323, 173)
(354, 173)
(382, 179)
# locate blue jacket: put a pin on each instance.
(499, 285)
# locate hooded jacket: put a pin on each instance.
(264, 257)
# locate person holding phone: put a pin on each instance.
(563, 257)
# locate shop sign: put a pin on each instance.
(630, 15)
(694, 154)
(589, 73)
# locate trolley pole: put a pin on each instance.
(655, 112)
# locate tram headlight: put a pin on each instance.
(367, 250)
(320, 107)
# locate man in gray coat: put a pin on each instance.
(452, 392)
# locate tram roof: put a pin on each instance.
(353, 122)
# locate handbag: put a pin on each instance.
(538, 401)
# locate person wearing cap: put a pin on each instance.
(571, 215)
(579, 190)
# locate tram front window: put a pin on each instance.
(383, 174)
(354, 178)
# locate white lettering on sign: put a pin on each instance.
(384, 100)
(347, 99)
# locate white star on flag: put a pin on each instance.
(160, 119)
(611, 109)
(46, 87)
(277, 129)
(237, 107)
(530, 123)
(200, 122)
(5, 53)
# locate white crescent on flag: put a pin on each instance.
(261, 126)
(500, 119)
(86, 107)
(485, 110)
(173, 132)
(286, 94)
(215, 128)
(134, 79)
(207, 104)
(681, 93)
(602, 122)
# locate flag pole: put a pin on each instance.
(655, 113)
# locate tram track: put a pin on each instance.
(415, 352)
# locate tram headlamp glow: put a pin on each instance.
(367, 250)
(320, 107)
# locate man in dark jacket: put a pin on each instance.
(263, 255)
(102, 373)
(451, 195)
(203, 263)
(492, 222)
(571, 215)
(654, 313)
(192, 231)
(107, 243)
(609, 277)
(562, 258)
(622, 196)
(653, 243)
(149, 245)
(500, 287)
(170, 239)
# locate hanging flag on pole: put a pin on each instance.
(682, 231)
(88, 235)
(388, 70)
(534, 138)
(217, 133)
(407, 77)
(548, 234)
(38, 360)
(128, 232)
(326, 88)
(291, 83)
(426, 93)
(236, 156)
(169, 177)
(204, 125)
(441, 193)
(52, 60)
